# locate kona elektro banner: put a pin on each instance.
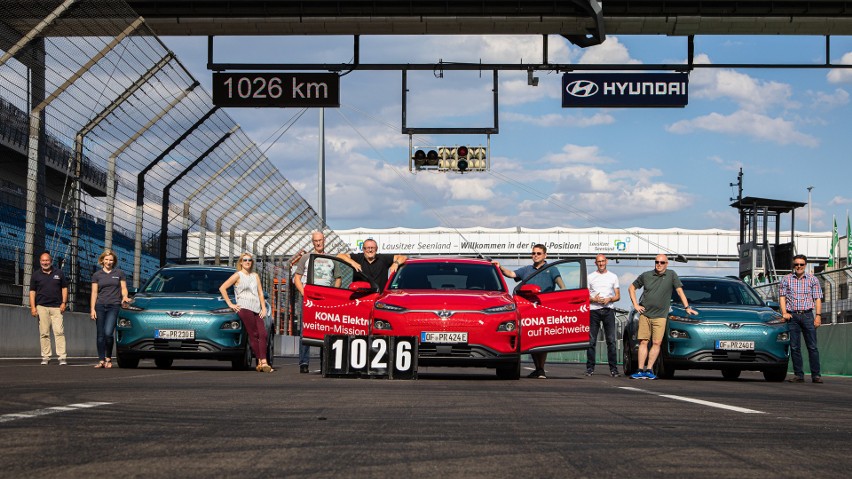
(630, 90)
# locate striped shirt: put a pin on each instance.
(800, 292)
(246, 292)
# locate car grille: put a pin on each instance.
(189, 346)
(727, 356)
(161, 320)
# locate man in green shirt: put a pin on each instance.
(653, 307)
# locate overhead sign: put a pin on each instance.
(621, 90)
(276, 89)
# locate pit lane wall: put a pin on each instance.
(19, 336)
(834, 342)
(20, 339)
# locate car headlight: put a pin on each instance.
(683, 319)
(388, 307)
(124, 323)
(678, 334)
(501, 309)
(507, 326)
(776, 320)
(222, 311)
(783, 336)
(382, 324)
(232, 325)
(130, 307)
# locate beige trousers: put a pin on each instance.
(51, 318)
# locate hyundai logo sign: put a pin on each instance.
(624, 90)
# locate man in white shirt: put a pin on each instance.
(603, 292)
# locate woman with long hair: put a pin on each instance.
(109, 291)
(250, 307)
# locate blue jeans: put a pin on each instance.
(105, 325)
(802, 324)
(605, 316)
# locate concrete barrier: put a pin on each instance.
(19, 336)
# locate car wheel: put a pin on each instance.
(731, 373)
(628, 362)
(243, 362)
(775, 375)
(163, 363)
(127, 362)
(511, 371)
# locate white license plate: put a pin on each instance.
(735, 345)
(444, 337)
(174, 334)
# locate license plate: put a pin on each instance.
(444, 337)
(735, 345)
(174, 334)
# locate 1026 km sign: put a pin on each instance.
(390, 357)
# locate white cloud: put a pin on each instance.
(748, 92)
(754, 125)
(841, 75)
(559, 120)
(577, 154)
(837, 98)
(610, 51)
(840, 200)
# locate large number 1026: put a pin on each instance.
(359, 354)
(257, 87)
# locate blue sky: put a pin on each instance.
(654, 168)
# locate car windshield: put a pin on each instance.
(710, 292)
(187, 281)
(459, 276)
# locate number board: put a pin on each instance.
(388, 357)
(276, 89)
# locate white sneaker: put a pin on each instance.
(63, 362)
(44, 362)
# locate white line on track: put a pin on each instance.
(50, 410)
(698, 401)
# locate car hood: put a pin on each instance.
(179, 302)
(739, 314)
(448, 299)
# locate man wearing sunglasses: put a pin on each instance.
(801, 304)
(548, 281)
(653, 307)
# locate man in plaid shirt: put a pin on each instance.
(801, 303)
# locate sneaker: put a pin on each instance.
(44, 362)
(303, 369)
(614, 373)
(650, 374)
(542, 375)
(589, 372)
(638, 375)
(537, 373)
(796, 379)
(63, 362)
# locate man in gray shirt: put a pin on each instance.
(653, 307)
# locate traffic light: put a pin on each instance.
(460, 159)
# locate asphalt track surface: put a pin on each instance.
(201, 419)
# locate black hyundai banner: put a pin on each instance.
(621, 90)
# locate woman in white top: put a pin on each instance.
(250, 307)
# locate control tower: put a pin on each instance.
(763, 257)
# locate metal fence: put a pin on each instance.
(107, 141)
(837, 306)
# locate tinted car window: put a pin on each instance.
(709, 292)
(475, 277)
(187, 281)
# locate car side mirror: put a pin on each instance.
(529, 289)
(361, 287)
(774, 305)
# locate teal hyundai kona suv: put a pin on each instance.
(179, 314)
(733, 331)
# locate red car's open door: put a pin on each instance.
(335, 301)
(554, 308)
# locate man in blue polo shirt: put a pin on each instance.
(48, 299)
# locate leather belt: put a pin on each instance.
(801, 311)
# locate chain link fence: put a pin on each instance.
(107, 141)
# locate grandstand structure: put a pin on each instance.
(107, 141)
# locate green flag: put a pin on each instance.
(848, 243)
(832, 258)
